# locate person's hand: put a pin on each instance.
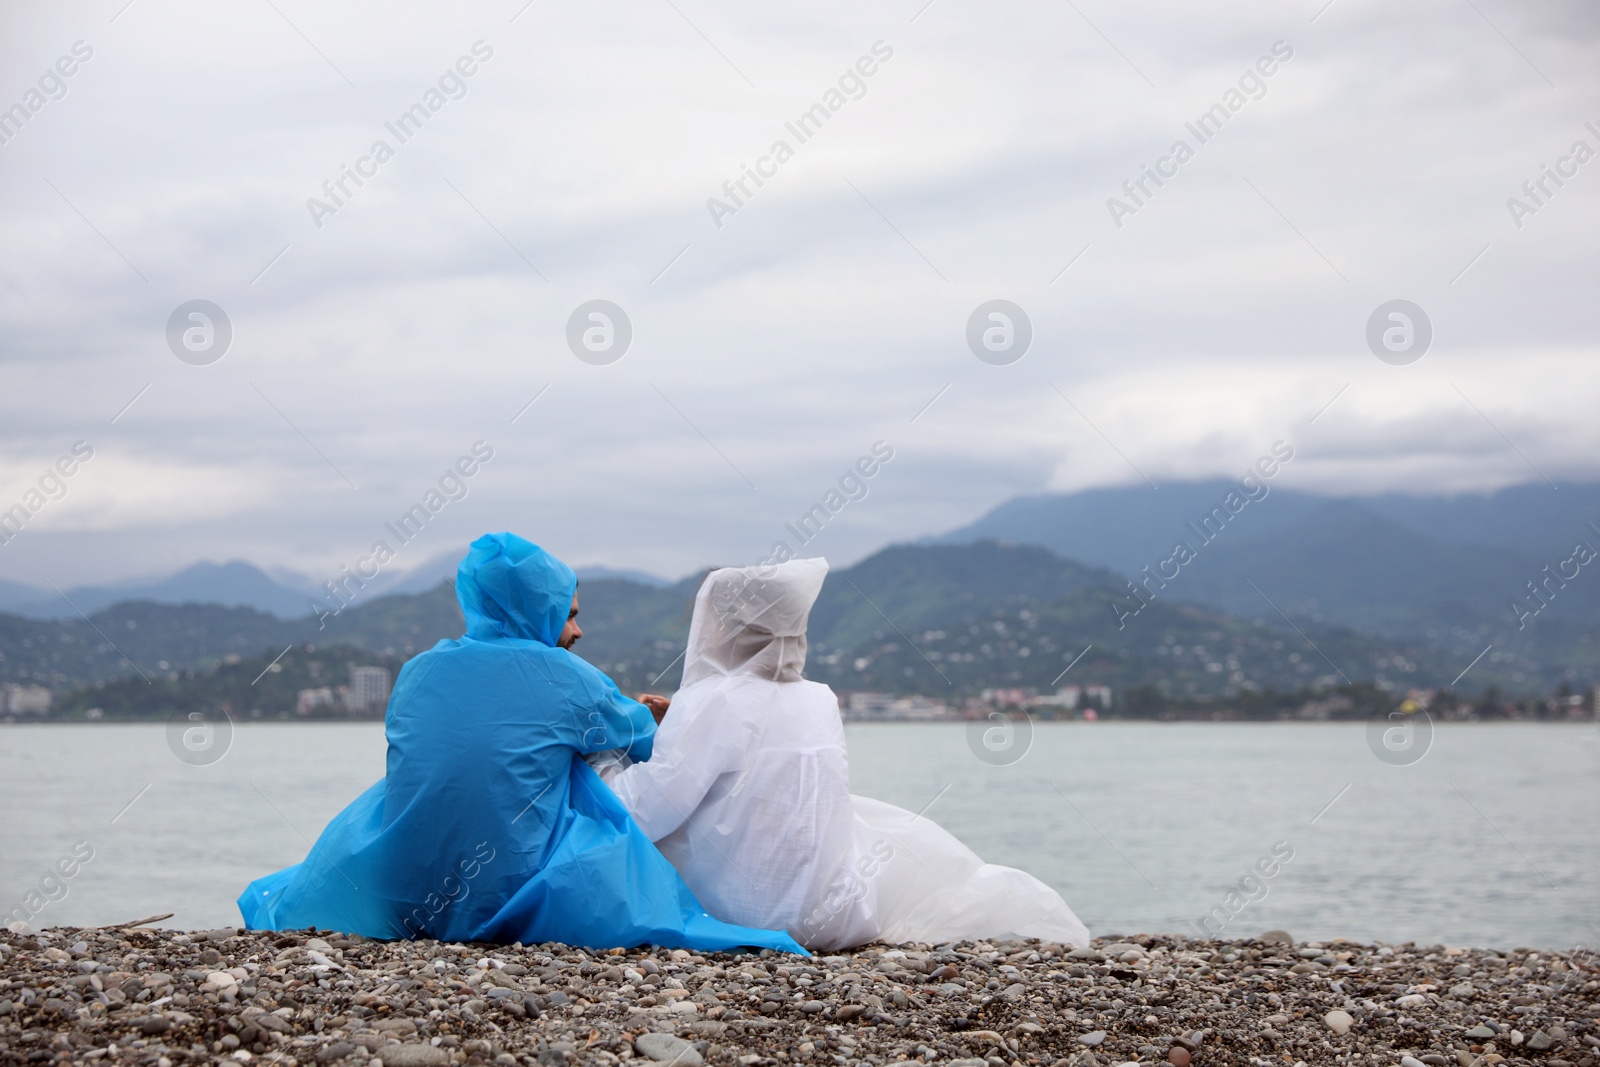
(658, 705)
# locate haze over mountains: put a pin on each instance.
(1451, 569)
(1282, 591)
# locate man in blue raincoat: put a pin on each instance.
(489, 825)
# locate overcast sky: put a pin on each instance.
(377, 337)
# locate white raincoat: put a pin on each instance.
(748, 794)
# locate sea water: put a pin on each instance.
(1487, 837)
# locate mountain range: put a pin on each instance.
(945, 620)
(1462, 572)
(1283, 591)
(238, 584)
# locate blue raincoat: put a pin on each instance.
(489, 826)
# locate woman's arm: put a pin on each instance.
(694, 747)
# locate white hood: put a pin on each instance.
(752, 621)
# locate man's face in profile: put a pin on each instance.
(571, 631)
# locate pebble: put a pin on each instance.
(164, 998)
(664, 1048)
(415, 1055)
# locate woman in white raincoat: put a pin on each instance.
(748, 794)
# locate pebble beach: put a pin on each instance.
(159, 998)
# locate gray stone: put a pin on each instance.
(812, 1007)
(707, 1028)
(666, 1048)
(1480, 1032)
(1093, 1038)
(334, 1052)
(415, 1054)
(1339, 1021)
(1540, 1041)
(1276, 937)
(1463, 991)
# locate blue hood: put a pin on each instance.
(510, 587)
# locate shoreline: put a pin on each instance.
(159, 998)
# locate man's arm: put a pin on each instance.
(613, 761)
(616, 721)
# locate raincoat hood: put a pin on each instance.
(752, 620)
(509, 587)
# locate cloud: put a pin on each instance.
(824, 315)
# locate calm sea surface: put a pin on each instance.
(1490, 839)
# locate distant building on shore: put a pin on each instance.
(25, 699)
(1068, 698)
(1072, 697)
(367, 692)
(886, 707)
(309, 700)
(369, 689)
